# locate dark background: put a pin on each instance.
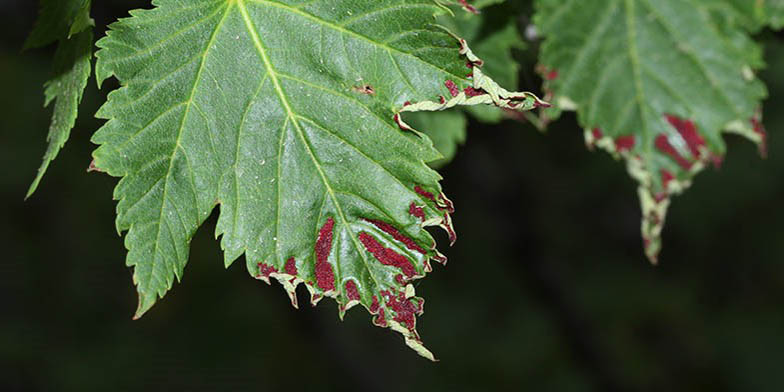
(546, 290)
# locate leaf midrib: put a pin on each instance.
(292, 117)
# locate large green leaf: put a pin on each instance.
(287, 114)
(655, 82)
(69, 23)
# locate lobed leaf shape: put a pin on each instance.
(68, 23)
(286, 114)
(656, 83)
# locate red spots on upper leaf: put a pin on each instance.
(551, 75)
(402, 125)
(290, 267)
(396, 234)
(374, 305)
(541, 104)
(663, 144)
(421, 192)
(381, 319)
(365, 89)
(441, 99)
(385, 255)
(325, 277)
(759, 129)
(666, 177)
(468, 7)
(416, 211)
(472, 92)
(597, 133)
(406, 103)
(400, 279)
(688, 131)
(450, 231)
(624, 143)
(439, 258)
(452, 88)
(352, 292)
(406, 309)
(445, 204)
(265, 270)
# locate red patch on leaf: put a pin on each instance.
(468, 7)
(760, 130)
(400, 123)
(381, 319)
(597, 133)
(374, 305)
(688, 131)
(446, 204)
(351, 291)
(406, 103)
(325, 278)
(452, 88)
(385, 255)
(450, 230)
(416, 211)
(421, 192)
(265, 270)
(400, 279)
(406, 309)
(441, 99)
(472, 92)
(666, 177)
(663, 144)
(290, 267)
(624, 143)
(551, 75)
(396, 234)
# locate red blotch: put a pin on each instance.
(265, 270)
(624, 143)
(540, 104)
(291, 267)
(406, 103)
(666, 177)
(452, 88)
(421, 192)
(468, 7)
(400, 123)
(597, 133)
(664, 146)
(374, 305)
(450, 230)
(325, 278)
(760, 130)
(381, 319)
(551, 75)
(351, 291)
(416, 211)
(472, 92)
(688, 131)
(387, 256)
(396, 234)
(406, 309)
(446, 204)
(400, 279)
(441, 99)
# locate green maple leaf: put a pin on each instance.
(653, 82)
(67, 22)
(286, 114)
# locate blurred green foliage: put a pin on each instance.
(547, 288)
